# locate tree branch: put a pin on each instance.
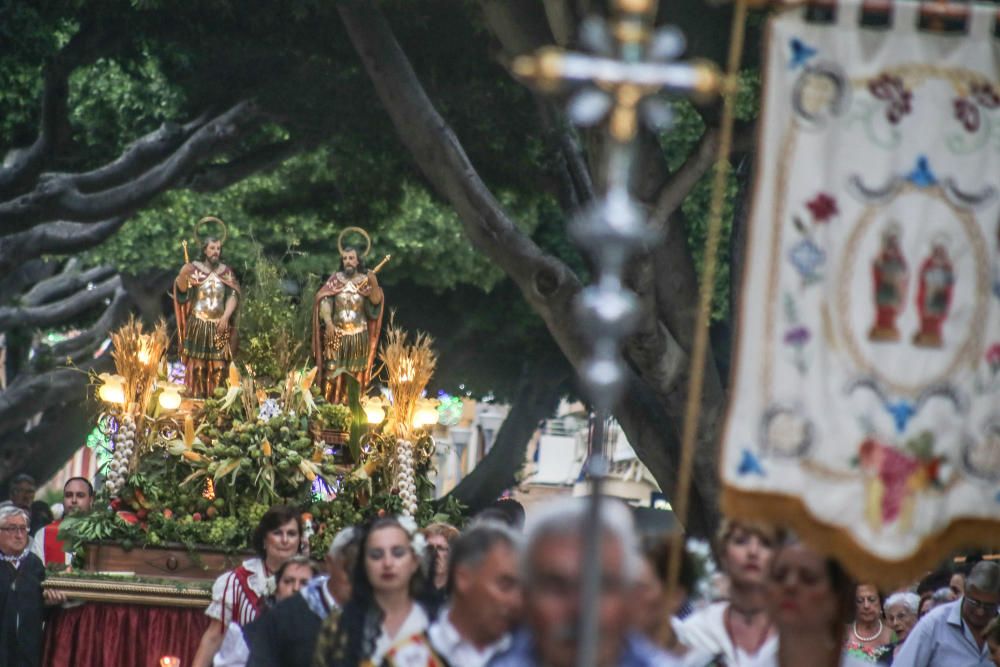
(21, 166)
(60, 311)
(67, 282)
(683, 180)
(215, 177)
(76, 349)
(140, 155)
(30, 394)
(54, 238)
(44, 449)
(58, 196)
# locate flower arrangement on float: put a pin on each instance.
(202, 473)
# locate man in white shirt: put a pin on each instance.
(485, 587)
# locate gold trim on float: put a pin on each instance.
(130, 592)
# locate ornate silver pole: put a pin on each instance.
(620, 82)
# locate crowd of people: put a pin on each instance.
(504, 594)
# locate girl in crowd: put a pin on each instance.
(810, 599)
(237, 595)
(868, 636)
(383, 623)
(739, 629)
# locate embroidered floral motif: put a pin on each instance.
(993, 357)
(967, 113)
(807, 258)
(985, 95)
(797, 336)
(890, 89)
(823, 207)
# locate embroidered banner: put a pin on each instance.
(866, 410)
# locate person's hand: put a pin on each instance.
(53, 597)
(330, 331)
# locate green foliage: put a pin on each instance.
(111, 103)
(274, 329)
(334, 416)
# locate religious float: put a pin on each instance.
(194, 452)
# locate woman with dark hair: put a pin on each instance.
(810, 599)
(384, 622)
(237, 595)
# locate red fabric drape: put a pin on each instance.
(122, 635)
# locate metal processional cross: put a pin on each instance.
(621, 82)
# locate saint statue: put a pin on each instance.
(890, 275)
(935, 284)
(347, 320)
(206, 301)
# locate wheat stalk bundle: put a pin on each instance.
(409, 367)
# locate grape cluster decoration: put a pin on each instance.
(123, 442)
(405, 480)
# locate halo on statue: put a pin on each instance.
(368, 240)
(210, 218)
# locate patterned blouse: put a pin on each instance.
(237, 594)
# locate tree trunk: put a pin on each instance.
(538, 394)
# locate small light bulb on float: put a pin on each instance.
(426, 414)
(113, 390)
(170, 398)
(374, 411)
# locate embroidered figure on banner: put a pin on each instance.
(890, 275)
(894, 477)
(936, 282)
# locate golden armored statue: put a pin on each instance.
(347, 320)
(206, 300)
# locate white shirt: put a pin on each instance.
(416, 622)
(234, 651)
(705, 631)
(453, 647)
(38, 547)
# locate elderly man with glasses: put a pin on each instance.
(951, 635)
(21, 597)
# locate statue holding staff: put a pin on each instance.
(347, 321)
(206, 302)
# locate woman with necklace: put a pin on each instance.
(739, 630)
(868, 636)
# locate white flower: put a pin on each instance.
(409, 524)
(418, 541)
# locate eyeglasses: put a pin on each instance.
(15, 529)
(983, 606)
